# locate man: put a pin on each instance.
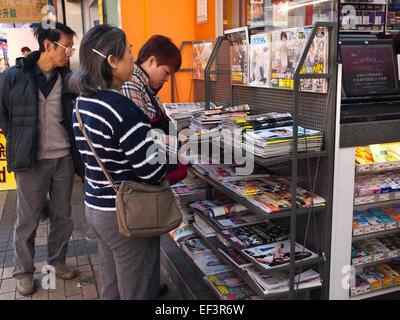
(25, 51)
(35, 116)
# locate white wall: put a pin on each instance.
(18, 38)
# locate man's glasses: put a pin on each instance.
(68, 50)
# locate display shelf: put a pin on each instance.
(182, 272)
(213, 225)
(377, 167)
(373, 259)
(378, 199)
(253, 208)
(373, 293)
(215, 245)
(357, 235)
(267, 162)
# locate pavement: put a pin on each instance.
(82, 254)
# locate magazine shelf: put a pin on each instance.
(268, 162)
(253, 208)
(377, 167)
(232, 244)
(216, 244)
(312, 171)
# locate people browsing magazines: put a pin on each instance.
(120, 133)
(157, 59)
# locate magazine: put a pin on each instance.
(194, 246)
(272, 193)
(201, 54)
(217, 208)
(235, 257)
(239, 219)
(256, 234)
(259, 60)
(276, 254)
(286, 48)
(229, 286)
(184, 231)
(278, 281)
(209, 263)
(239, 53)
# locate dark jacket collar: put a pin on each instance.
(28, 63)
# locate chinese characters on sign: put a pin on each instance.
(7, 181)
(23, 10)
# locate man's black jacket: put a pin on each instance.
(19, 114)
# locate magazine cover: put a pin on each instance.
(239, 47)
(201, 55)
(286, 48)
(210, 263)
(184, 231)
(230, 287)
(195, 246)
(276, 254)
(235, 257)
(259, 60)
(316, 60)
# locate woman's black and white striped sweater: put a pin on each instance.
(120, 134)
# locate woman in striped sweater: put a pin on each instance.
(120, 134)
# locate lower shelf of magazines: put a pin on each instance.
(266, 204)
(267, 285)
(264, 248)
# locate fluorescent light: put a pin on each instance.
(286, 7)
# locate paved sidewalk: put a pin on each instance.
(82, 255)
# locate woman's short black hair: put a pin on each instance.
(51, 32)
(94, 72)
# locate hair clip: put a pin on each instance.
(99, 53)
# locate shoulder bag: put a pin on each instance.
(143, 210)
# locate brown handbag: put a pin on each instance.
(143, 210)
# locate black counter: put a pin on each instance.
(365, 133)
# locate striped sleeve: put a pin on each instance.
(148, 159)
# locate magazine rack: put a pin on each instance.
(313, 171)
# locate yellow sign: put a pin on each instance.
(26, 10)
(7, 181)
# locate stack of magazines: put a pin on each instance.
(207, 123)
(271, 193)
(240, 125)
(226, 214)
(278, 141)
(277, 281)
(180, 113)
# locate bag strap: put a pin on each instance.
(83, 130)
